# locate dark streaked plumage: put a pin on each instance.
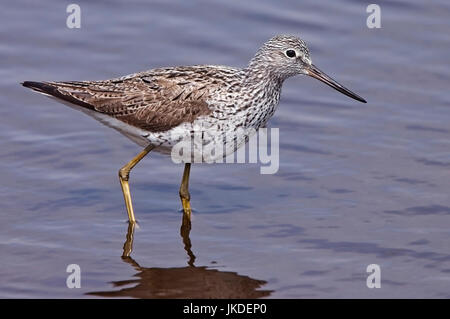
(159, 100)
(154, 101)
(162, 107)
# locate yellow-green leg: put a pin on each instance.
(184, 191)
(124, 175)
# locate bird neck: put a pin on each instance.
(258, 74)
(261, 82)
(260, 93)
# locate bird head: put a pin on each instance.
(284, 56)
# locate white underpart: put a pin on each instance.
(211, 135)
(225, 127)
(135, 134)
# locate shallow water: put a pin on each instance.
(357, 184)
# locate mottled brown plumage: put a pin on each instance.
(194, 106)
(154, 101)
(220, 97)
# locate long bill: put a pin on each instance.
(315, 72)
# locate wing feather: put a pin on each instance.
(152, 103)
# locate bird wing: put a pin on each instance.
(148, 101)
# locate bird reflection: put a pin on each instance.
(182, 282)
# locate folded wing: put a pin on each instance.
(151, 103)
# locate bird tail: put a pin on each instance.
(55, 89)
(41, 87)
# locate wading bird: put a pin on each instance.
(156, 108)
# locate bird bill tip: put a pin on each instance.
(316, 73)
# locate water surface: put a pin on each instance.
(357, 185)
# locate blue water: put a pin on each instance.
(358, 184)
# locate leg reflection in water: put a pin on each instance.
(182, 282)
(185, 230)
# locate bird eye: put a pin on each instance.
(290, 53)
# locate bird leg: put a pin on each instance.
(184, 191)
(124, 175)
